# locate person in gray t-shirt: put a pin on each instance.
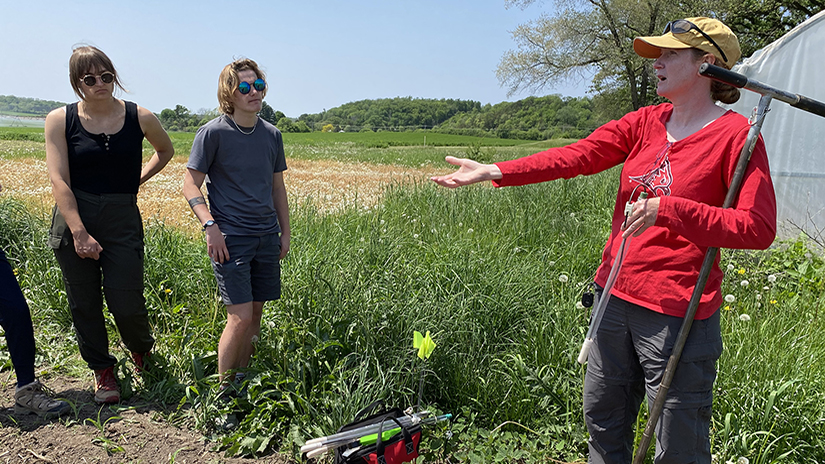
(241, 158)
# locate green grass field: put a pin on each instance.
(479, 268)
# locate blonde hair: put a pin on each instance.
(229, 80)
(719, 91)
(86, 59)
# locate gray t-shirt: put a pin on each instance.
(239, 169)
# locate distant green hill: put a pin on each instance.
(28, 107)
(533, 118)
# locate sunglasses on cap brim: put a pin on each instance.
(245, 87)
(90, 79)
(680, 26)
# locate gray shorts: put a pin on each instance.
(253, 271)
(627, 361)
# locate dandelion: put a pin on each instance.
(551, 263)
(415, 235)
(563, 278)
(167, 291)
(516, 249)
(15, 271)
(742, 460)
(730, 298)
(744, 318)
(731, 267)
(773, 302)
(758, 296)
(766, 288)
(771, 278)
(579, 305)
(758, 305)
(741, 271)
(460, 224)
(382, 222)
(254, 339)
(362, 240)
(744, 283)
(469, 231)
(727, 308)
(572, 215)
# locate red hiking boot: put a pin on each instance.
(106, 389)
(140, 361)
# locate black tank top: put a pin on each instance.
(105, 163)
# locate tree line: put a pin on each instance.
(533, 118)
(23, 106)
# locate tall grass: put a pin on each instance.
(480, 269)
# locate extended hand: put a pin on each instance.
(469, 172)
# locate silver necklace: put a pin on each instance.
(239, 128)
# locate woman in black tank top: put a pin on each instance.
(94, 153)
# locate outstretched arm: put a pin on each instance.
(469, 172)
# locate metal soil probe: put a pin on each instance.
(768, 93)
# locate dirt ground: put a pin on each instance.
(140, 429)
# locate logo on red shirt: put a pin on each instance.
(659, 178)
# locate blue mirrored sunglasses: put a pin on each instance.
(245, 87)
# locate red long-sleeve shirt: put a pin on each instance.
(691, 177)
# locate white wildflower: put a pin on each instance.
(771, 278)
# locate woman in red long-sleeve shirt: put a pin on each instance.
(683, 154)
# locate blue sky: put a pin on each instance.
(317, 54)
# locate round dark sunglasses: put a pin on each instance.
(680, 26)
(90, 79)
(245, 87)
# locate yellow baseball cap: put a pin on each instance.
(707, 34)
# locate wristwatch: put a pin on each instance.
(207, 224)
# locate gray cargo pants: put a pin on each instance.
(628, 359)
